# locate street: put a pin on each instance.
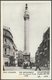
(21, 68)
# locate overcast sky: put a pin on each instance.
(39, 21)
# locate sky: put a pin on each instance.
(40, 18)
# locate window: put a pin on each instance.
(5, 50)
(13, 53)
(5, 39)
(5, 33)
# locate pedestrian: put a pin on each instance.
(37, 65)
(30, 64)
(3, 68)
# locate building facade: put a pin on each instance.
(8, 47)
(43, 52)
(15, 52)
(20, 58)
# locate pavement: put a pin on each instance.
(21, 68)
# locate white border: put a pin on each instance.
(15, 75)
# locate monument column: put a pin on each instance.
(26, 30)
(26, 34)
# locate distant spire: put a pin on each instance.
(26, 6)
